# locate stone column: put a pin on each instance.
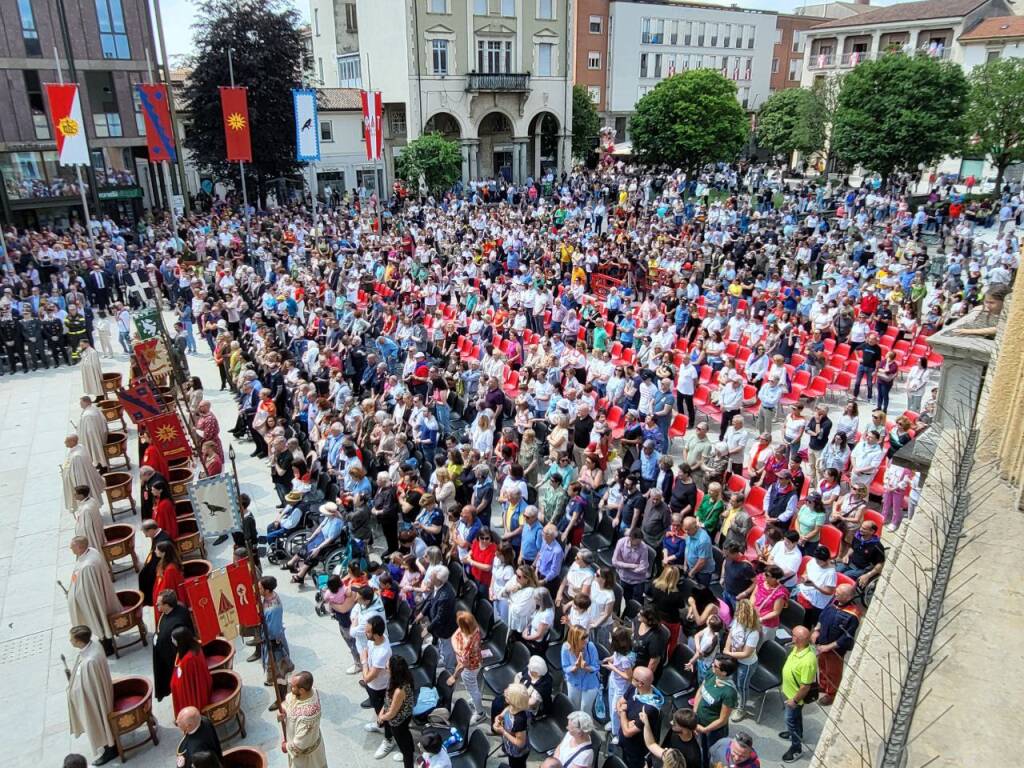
(464, 149)
(474, 159)
(520, 147)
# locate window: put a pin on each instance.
(396, 121)
(545, 9)
(351, 23)
(714, 35)
(508, 7)
(596, 24)
(326, 130)
(700, 33)
(798, 43)
(645, 30)
(349, 71)
(594, 60)
(320, 67)
(658, 31)
(493, 56)
(643, 65)
(594, 91)
(794, 69)
(727, 39)
(775, 66)
(688, 33)
(140, 121)
(103, 104)
(673, 32)
(107, 124)
(439, 57)
(437, 6)
(991, 55)
(29, 33)
(316, 22)
(750, 36)
(113, 36)
(545, 59)
(657, 65)
(36, 105)
(480, 7)
(778, 35)
(744, 96)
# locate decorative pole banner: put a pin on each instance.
(151, 355)
(139, 401)
(167, 434)
(69, 127)
(245, 596)
(146, 324)
(215, 505)
(159, 136)
(307, 125)
(373, 128)
(213, 606)
(235, 106)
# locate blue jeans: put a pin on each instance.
(862, 373)
(884, 387)
(444, 417)
(795, 726)
(743, 673)
(125, 340)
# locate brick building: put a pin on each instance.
(788, 56)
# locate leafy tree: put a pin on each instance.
(792, 121)
(435, 158)
(267, 59)
(585, 122)
(899, 112)
(995, 113)
(689, 120)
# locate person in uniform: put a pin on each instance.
(301, 713)
(91, 695)
(147, 574)
(75, 331)
(88, 522)
(91, 598)
(173, 616)
(12, 340)
(32, 332)
(92, 369)
(77, 470)
(53, 334)
(198, 735)
(92, 429)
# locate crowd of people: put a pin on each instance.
(594, 424)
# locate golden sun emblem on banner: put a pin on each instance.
(236, 122)
(166, 433)
(68, 126)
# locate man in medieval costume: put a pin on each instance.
(92, 430)
(301, 714)
(92, 369)
(77, 470)
(207, 424)
(91, 598)
(88, 521)
(91, 695)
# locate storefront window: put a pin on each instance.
(33, 175)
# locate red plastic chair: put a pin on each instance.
(831, 537)
(754, 503)
(678, 426)
(737, 484)
(875, 517)
(755, 533)
(842, 383)
(817, 388)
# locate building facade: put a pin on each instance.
(649, 41)
(495, 75)
(788, 55)
(999, 37)
(334, 35)
(109, 41)
(590, 49)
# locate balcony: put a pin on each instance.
(504, 82)
(845, 61)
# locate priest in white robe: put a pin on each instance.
(91, 597)
(91, 695)
(77, 470)
(92, 432)
(88, 520)
(92, 371)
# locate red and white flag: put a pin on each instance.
(68, 125)
(213, 606)
(373, 129)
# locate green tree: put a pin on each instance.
(585, 122)
(995, 113)
(899, 112)
(433, 157)
(689, 120)
(267, 56)
(792, 121)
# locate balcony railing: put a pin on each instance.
(505, 81)
(831, 61)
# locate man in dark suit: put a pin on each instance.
(147, 574)
(97, 285)
(198, 736)
(172, 616)
(439, 613)
(149, 481)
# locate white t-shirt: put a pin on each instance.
(378, 657)
(740, 637)
(578, 755)
(547, 616)
(599, 600)
(823, 577)
(686, 381)
(787, 561)
(521, 606)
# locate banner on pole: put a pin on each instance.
(307, 125)
(167, 434)
(152, 358)
(139, 401)
(240, 577)
(156, 112)
(235, 107)
(213, 606)
(146, 323)
(215, 505)
(373, 128)
(68, 125)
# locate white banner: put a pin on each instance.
(307, 125)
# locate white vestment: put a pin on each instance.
(78, 470)
(89, 523)
(91, 697)
(92, 433)
(92, 373)
(91, 598)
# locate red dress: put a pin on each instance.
(191, 682)
(166, 518)
(172, 579)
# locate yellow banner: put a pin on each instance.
(223, 601)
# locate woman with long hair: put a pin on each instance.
(466, 642)
(769, 597)
(396, 714)
(163, 510)
(741, 644)
(648, 643)
(580, 666)
(670, 603)
(191, 681)
(169, 574)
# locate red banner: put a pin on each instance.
(373, 127)
(168, 435)
(204, 612)
(151, 355)
(235, 106)
(139, 401)
(159, 134)
(244, 594)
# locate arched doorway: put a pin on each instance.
(445, 124)
(543, 146)
(496, 148)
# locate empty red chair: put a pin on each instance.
(843, 350)
(831, 537)
(628, 356)
(512, 385)
(829, 373)
(877, 487)
(842, 383)
(829, 346)
(754, 503)
(755, 533)
(797, 360)
(678, 426)
(817, 388)
(851, 367)
(737, 484)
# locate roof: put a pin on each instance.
(919, 11)
(996, 27)
(340, 99)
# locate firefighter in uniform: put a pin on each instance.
(53, 333)
(75, 330)
(13, 343)
(32, 332)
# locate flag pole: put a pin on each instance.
(165, 173)
(241, 163)
(78, 168)
(251, 558)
